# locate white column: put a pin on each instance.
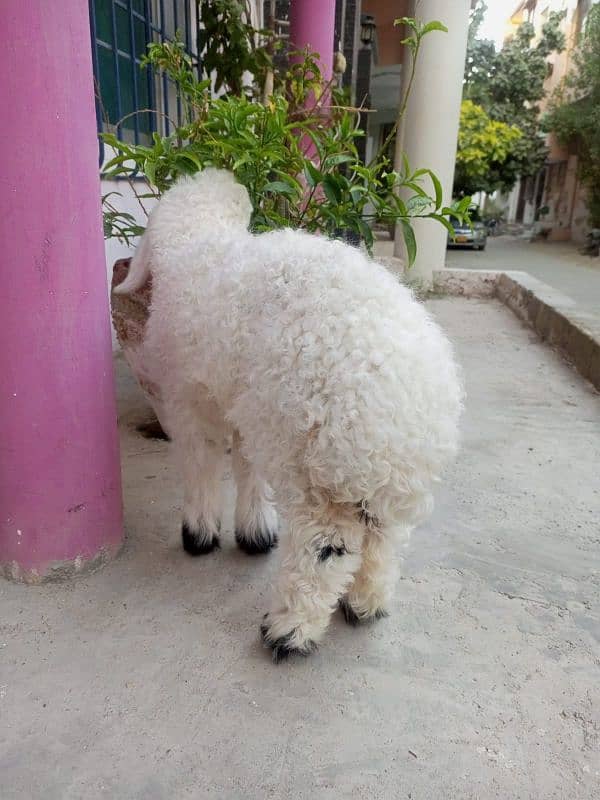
(430, 126)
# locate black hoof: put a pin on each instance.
(259, 544)
(198, 543)
(352, 618)
(281, 649)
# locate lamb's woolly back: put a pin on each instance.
(342, 391)
(184, 211)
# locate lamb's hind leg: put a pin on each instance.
(198, 434)
(321, 553)
(255, 515)
(369, 596)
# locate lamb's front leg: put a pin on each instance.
(255, 515)
(199, 434)
(320, 557)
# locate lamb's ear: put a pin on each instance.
(139, 268)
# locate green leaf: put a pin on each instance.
(315, 138)
(279, 187)
(313, 175)
(340, 158)
(405, 165)
(409, 241)
(290, 180)
(434, 25)
(186, 155)
(415, 188)
(149, 169)
(332, 189)
(445, 222)
(366, 233)
(464, 204)
(408, 21)
(437, 186)
(400, 209)
(417, 205)
(357, 193)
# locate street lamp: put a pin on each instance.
(363, 78)
(367, 29)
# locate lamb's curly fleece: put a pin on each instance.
(342, 392)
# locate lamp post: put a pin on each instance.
(363, 79)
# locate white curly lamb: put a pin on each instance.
(340, 392)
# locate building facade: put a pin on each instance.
(554, 200)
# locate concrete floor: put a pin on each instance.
(147, 680)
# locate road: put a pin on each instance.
(558, 264)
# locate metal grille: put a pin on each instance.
(132, 102)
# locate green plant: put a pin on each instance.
(230, 47)
(300, 165)
(118, 224)
(574, 113)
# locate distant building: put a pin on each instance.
(556, 190)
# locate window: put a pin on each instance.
(121, 31)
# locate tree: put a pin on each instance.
(574, 113)
(480, 53)
(509, 85)
(484, 145)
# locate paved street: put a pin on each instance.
(558, 264)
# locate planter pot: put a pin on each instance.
(130, 313)
(349, 237)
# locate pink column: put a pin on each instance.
(60, 484)
(312, 24)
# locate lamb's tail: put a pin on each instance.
(139, 269)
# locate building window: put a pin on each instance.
(131, 101)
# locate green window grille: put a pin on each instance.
(121, 31)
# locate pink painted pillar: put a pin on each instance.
(312, 24)
(60, 483)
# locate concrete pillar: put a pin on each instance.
(312, 24)
(363, 97)
(60, 485)
(430, 128)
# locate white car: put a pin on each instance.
(473, 235)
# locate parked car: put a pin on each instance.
(473, 235)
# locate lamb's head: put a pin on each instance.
(220, 198)
(229, 197)
(211, 200)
